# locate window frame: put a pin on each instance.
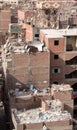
(56, 56)
(56, 70)
(56, 42)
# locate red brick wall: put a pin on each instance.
(5, 20)
(34, 126)
(57, 62)
(58, 123)
(70, 55)
(20, 60)
(28, 31)
(21, 15)
(63, 95)
(27, 27)
(59, 77)
(58, 48)
(24, 60)
(60, 62)
(50, 43)
(26, 102)
(34, 68)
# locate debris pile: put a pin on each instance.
(54, 105)
(38, 115)
(62, 87)
(27, 91)
(19, 46)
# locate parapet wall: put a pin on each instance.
(59, 125)
(64, 94)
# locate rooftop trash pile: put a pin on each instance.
(38, 115)
(62, 87)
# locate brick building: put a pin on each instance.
(5, 18)
(28, 64)
(49, 114)
(62, 45)
(60, 63)
(29, 69)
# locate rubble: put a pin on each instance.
(38, 115)
(54, 105)
(50, 111)
(18, 93)
(18, 46)
(61, 87)
(23, 92)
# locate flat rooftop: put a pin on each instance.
(39, 115)
(28, 94)
(59, 33)
(19, 46)
(46, 91)
(51, 33)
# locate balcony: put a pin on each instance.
(71, 43)
(70, 47)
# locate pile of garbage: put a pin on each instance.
(19, 46)
(30, 89)
(62, 87)
(54, 105)
(38, 115)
